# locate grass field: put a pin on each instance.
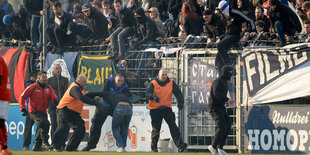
(115, 153)
(103, 153)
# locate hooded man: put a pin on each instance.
(96, 22)
(216, 107)
(147, 34)
(283, 20)
(234, 19)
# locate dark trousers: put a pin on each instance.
(223, 47)
(222, 129)
(43, 126)
(97, 121)
(53, 118)
(27, 132)
(157, 116)
(57, 36)
(65, 119)
(118, 38)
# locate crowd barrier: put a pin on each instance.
(193, 70)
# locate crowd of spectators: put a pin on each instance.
(122, 26)
(76, 23)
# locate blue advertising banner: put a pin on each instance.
(277, 129)
(201, 77)
(15, 125)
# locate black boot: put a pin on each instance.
(37, 146)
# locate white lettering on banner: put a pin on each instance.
(267, 134)
(289, 118)
(250, 70)
(202, 98)
(199, 68)
(268, 67)
(295, 140)
(202, 68)
(278, 137)
(13, 129)
(194, 70)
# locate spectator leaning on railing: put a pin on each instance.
(214, 27)
(283, 20)
(96, 22)
(57, 33)
(127, 27)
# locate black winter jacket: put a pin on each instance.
(98, 24)
(148, 30)
(33, 6)
(286, 16)
(175, 90)
(235, 20)
(215, 29)
(218, 94)
(126, 18)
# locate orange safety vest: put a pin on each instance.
(71, 102)
(164, 93)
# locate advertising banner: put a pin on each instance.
(15, 125)
(139, 135)
(277, 129)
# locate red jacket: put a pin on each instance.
(38, 97)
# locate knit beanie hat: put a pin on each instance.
(224, 7)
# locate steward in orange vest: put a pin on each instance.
(69, 115)
(159, 94)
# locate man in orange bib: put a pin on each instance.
(69, 115)
(159, 94)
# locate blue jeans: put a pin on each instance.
(120, 123)
(36, 30)
(118, 39)
(281, 31)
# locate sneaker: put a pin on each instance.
(212, 150)
(46, 146)
(56, 150)
(25, 148)
(6, 151)
(37, 148)
(120, 149)
(221, 152)
(87, 148)
(155, 150)
(182, 147)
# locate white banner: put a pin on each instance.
(272, 75)
(140, 128)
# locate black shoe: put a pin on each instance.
(155, 150)
(113, 56)
(57, 150)
(37, 148)
(182, 147)
(46, 146)
(88, 148)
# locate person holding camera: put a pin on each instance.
(159, 94)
